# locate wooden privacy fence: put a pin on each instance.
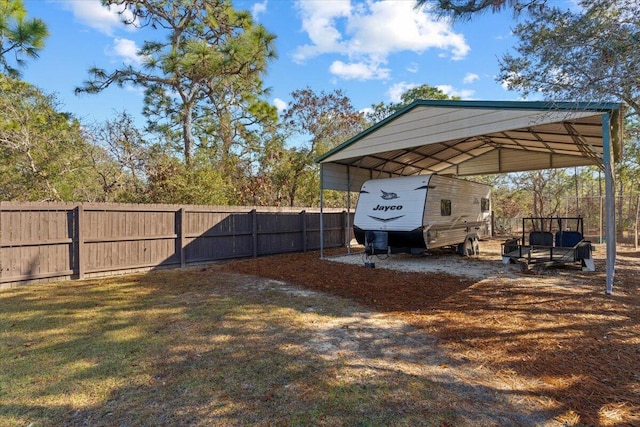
(62, 241)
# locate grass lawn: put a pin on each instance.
(294, 341)
(191, 347)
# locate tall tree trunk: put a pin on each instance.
(620, 221)
(187, 135)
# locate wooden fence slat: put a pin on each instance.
(181, 230)
(303, 216)
(254, 232)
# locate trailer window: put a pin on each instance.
(445, 207)
(484, 205)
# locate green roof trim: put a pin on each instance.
(603, 107)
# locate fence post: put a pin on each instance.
(303, 215)
(181, 237)
(254, 232)
(80, 240)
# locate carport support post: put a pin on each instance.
(321, 212)
(610, 211)
(348, 227)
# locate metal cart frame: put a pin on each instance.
(548, 242)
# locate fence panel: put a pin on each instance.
(59, 241)
(117, 238)
(280, 233)
(217, 235)
(36, 242)
(334, 227)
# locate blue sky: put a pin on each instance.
(373, 50)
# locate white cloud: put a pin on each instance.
(413, 67)
(370, 31)
(391, 26)
(395, 92)
(258, 9)
(280, 104)
(359, 71)
(126, 50)
(461, 93)
(92, 14)
(470, 78)
(319, 22)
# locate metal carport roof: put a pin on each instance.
(465, 138)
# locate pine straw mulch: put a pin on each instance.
(555, 336)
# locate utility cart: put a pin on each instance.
(547, 242)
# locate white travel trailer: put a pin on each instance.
(418, 213)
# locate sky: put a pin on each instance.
(372, 50)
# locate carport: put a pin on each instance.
(467, 138)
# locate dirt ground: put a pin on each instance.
(552, 338)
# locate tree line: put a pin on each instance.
(212, 138)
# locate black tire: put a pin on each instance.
(466, 248)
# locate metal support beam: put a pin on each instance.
(610, 210)
(321, 212)
(348, 237)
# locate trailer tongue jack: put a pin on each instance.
(376, 243)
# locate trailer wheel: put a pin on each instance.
(466, 248)
(469, 247)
